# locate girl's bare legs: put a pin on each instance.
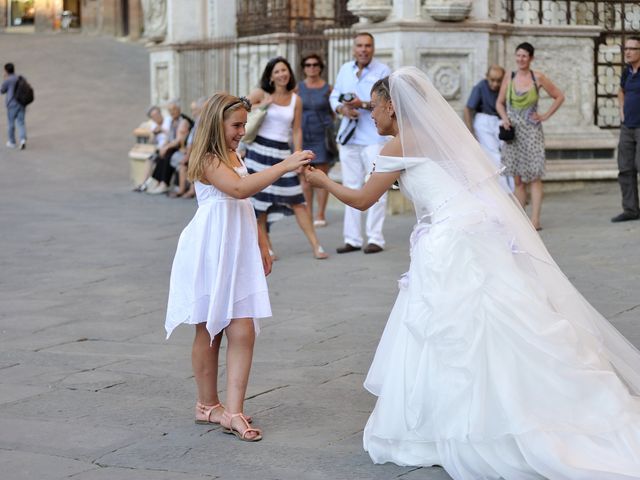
(204, 360)
(240, 340)
(323, 195)
(536, 202)
(304, 221)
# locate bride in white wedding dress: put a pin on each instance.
(492, 364)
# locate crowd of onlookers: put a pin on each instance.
(172, 136)
(301, 115)
(297, 115)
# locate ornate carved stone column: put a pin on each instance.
(370, 10)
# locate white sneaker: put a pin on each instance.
(158, 190)
(23, 144)
(11, 145)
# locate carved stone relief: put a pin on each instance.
(155, 19)
(446, 78)
(162, 93)
(449, 72)
(448, 10)
(370, 10)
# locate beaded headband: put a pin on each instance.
(244, 100)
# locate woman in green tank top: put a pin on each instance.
(517, 105)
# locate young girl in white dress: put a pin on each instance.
(491, 364)
(218, 278)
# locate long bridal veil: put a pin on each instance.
(430, 128)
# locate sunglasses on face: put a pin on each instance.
(311, 65)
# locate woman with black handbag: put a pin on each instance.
(318, 132)
(523, 152)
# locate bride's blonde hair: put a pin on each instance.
(209, 141)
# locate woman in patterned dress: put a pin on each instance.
(317, 117)
(517, 105)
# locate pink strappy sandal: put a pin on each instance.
(203, 414)
(241, 435)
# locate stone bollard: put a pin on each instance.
(140, 153)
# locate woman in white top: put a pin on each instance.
(281, 127)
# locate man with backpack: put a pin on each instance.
(18, 96)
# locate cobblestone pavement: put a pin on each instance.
(90, 389)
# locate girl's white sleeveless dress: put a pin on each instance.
(217, 272)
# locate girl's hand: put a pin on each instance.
(267, 260)
(506, 123)
(298, 160)
(536, 117)
(315, 176)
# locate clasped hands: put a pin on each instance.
(314, 176)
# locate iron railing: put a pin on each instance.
(261, 17)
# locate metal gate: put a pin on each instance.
(312, 23)
(266, 29)
(618, 19)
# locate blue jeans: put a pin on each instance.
(15, 113)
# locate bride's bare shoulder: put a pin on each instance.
(393, 148)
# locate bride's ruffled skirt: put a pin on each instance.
(478, 370)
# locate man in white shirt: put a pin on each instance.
(360, 142)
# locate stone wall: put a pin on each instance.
(4, 9)
(453, 41)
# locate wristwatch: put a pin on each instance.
(366, 105)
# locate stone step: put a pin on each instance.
(568, 170)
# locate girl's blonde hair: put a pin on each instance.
(209, 140)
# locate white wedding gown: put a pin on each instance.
(482, 368)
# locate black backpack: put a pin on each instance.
(23, 92)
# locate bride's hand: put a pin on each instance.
(314, 176)
(298, 160)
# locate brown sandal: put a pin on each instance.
(203, 414)
(241, 435)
